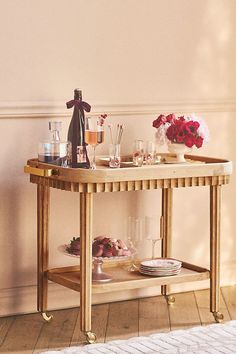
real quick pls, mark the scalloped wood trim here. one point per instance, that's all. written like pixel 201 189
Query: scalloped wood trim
pixel 126 186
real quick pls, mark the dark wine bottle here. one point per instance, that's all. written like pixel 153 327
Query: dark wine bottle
pixel 76 132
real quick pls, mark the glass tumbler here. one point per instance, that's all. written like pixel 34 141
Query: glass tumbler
pixel 114 155
pixel 150 153
pixel 138 153
pixel 134 238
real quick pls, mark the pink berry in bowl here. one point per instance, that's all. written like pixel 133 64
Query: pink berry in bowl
pixel 98 250
pixel 107 252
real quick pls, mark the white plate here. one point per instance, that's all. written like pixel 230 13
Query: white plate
pixel 161 263
pixel 63 249
pixel 159 270
pixel 157 274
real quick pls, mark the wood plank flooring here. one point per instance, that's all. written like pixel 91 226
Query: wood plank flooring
pixel 30 334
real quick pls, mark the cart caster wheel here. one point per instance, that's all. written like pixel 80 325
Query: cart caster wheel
pixel 170 299
pixel 91 337
pixel 218 316
pixel 46 317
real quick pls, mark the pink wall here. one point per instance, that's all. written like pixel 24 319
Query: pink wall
pixel 134 59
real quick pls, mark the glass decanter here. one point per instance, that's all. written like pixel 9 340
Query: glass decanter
pixel 54 151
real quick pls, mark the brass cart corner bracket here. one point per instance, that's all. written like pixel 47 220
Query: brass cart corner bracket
pixel 42 172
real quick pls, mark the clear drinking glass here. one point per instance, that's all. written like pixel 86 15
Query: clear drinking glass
pixel 114 155
pixel 150 153
pixel 157 157
pixel 152 231
pixel 134 237
pixel 138 153
pixel 94 135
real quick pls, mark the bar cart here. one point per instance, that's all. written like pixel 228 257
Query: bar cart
pixel 198 171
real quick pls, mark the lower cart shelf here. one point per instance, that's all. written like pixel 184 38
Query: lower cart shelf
pixel 124 280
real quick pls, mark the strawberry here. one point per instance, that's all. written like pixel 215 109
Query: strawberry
pixel 114 251
pixel 98 250
pixel 74 247
pixel 107 252
pixel 106 240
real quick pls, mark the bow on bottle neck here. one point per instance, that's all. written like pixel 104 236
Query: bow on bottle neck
pixel 80 104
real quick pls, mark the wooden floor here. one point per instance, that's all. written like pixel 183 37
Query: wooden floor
pixel 30 334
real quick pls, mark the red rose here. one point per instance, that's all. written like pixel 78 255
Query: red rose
pixel 189 141
pixel 159 121
pixel 180 137
pixel 171 132
pixel 170 118
pixel 196 125
pixel 199 142
pixel 191 127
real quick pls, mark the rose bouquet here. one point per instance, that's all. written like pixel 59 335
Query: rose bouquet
pixel 188 130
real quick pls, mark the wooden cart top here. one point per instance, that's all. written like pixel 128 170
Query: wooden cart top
pixel 197 171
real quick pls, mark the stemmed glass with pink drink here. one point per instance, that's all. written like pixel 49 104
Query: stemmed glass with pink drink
pixel 94 135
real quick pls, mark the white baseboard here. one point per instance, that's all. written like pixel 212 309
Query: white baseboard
pixel 23 299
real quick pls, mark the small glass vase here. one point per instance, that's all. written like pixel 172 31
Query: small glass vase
pixel 179 150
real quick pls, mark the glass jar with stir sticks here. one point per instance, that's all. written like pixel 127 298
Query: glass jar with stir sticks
pixel 114 148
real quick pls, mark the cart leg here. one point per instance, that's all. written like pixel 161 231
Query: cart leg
pixel 43 194
pixel 166 228
pixel 86 218
pixel 215 201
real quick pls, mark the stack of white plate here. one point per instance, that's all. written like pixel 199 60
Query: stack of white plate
pixel 160 267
